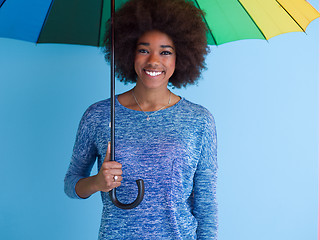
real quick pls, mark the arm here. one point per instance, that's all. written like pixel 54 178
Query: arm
pixel 83 156
pixel 205 204
pixel 78 182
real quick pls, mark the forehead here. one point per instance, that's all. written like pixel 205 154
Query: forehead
pixel 155 38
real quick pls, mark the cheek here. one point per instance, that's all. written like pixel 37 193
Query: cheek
pixel 173 65
pixel 136 65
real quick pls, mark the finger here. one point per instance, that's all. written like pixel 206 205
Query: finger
pixel 113 172
pixel 111 165
pixel 111 183
pixel 115 185
pixel 117 178
pixel 108 154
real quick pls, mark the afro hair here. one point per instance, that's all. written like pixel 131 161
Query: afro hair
pixel 181 20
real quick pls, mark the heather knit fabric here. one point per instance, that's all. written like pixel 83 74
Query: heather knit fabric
pixel 174 153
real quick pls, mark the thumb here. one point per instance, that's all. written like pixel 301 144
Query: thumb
pixel 108 154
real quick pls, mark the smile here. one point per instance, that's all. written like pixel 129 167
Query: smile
pixel 152 73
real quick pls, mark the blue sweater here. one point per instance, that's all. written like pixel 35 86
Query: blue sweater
pixel 174 153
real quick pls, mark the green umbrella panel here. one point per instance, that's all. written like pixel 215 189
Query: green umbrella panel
pixel 77 22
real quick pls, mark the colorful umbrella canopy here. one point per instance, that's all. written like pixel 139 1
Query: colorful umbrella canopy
pixel 77 22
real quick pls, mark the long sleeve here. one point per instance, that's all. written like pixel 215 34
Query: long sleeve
pixel 204 202
pixel 84 154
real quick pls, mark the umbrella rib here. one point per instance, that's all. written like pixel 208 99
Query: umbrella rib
pixel 101 13
pixel 45 20
pixel 204 19
pixel 1 3
pixel 291 16
pixel 252 20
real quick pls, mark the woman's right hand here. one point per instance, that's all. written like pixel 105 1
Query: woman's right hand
pixel 105 179
pixel 109 175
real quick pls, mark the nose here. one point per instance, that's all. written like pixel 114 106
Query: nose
pixel 153 60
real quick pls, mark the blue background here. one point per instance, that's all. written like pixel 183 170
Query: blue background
pixel 264 96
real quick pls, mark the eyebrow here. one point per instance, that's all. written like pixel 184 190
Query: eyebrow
pixel 148 44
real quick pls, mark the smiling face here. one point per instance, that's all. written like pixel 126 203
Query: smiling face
pixel 155 59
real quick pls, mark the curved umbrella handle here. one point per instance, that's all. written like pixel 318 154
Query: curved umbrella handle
pixel 134 204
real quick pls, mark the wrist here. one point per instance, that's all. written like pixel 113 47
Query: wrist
pixel 94 183
pixel 85 187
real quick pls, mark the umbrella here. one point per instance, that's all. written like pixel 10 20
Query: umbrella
pixel 77 22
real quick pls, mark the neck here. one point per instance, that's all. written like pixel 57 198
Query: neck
pixel 151 99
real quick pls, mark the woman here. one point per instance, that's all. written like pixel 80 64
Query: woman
pixel 161 138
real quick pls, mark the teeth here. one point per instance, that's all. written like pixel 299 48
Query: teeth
pixel 153 74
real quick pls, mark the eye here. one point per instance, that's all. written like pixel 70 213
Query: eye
pixel 166 53
pixel 142 50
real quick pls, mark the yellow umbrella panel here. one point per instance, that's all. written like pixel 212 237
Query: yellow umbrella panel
pixel 231 20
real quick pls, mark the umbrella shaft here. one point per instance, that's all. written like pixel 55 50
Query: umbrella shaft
pixel 112 81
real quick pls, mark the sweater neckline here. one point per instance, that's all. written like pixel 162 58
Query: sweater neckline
pixel 117 103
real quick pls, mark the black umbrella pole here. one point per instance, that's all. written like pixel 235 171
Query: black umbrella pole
pixel 112 81
pixel 139 182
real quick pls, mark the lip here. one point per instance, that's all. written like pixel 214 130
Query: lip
pixel 152 73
